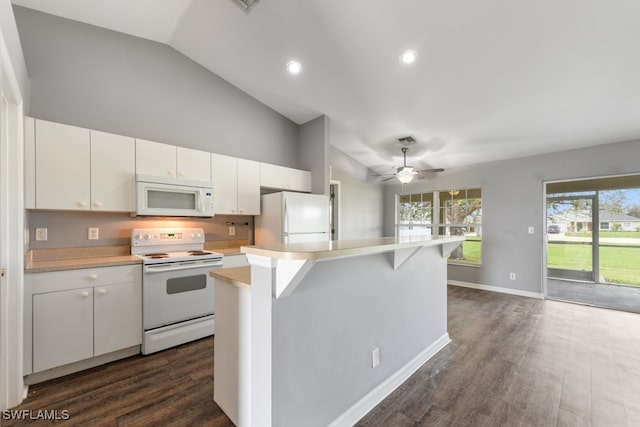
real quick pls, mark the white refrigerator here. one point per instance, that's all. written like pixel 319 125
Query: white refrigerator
pixel 292 218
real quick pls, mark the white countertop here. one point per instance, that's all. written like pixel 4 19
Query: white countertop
pixel 344 248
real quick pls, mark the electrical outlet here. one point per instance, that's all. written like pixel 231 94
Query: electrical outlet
pixel 375 357
pixel 41 234
pixel 512 276
pixel 232 231
pixel 93 233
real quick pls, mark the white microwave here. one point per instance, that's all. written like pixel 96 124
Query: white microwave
pixel 167 196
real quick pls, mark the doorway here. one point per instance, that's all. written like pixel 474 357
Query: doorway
pixel 593 242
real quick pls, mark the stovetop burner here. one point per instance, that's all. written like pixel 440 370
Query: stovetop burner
pixel 198 253
pixel 157 255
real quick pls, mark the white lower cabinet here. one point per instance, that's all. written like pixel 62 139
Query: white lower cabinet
pixel 117 317
pixel 62 328
pixel 80 314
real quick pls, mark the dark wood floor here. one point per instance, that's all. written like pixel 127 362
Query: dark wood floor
pixel 513 361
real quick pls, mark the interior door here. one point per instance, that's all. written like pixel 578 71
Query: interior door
pixel 571 253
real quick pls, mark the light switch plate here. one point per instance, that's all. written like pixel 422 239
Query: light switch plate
pixel 531 229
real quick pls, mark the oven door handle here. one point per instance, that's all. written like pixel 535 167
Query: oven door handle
pixel 164 268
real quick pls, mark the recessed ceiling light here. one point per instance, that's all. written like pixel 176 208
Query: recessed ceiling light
pixel 294 67
pixel 408 56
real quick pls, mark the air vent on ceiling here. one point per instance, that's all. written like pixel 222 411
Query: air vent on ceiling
pixel 246 5
pixel 407 140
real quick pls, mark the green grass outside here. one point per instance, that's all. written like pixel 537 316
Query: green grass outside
pixel 609 234
pixel 472 251
pixel 617 265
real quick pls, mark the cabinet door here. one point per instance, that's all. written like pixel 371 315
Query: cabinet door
pixel 117 317
pixel 62 166
pixel 225 184
pixel 273 176
pixel 62 328
pixel 194 164
pixel 298 180
pixel 155 158
pixel 248 187
pixel 112 172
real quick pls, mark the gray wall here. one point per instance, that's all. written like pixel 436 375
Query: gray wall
pixel 361 201
pixel 99 79
pixel 325 331
pixel 512 200
pixel 314 153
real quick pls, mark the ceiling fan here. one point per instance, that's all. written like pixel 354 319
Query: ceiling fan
pixel 405 174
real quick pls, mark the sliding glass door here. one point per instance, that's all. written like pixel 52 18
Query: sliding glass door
pixel 571 252
pixel 593 242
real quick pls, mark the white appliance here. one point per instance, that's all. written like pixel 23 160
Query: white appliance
pixel 292 218
pixel 167 196
pixel 177 291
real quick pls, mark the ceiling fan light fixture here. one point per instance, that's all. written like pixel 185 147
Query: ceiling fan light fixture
pixel 405 174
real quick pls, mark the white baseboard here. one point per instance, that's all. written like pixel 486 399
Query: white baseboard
pixel 378 394
pixel 496 289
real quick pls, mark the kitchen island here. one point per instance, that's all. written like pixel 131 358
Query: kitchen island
pixel 325 330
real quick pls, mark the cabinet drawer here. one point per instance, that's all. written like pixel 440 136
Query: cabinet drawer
pixel 86 277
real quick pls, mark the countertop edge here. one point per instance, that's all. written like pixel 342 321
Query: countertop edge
pixel 80 263
pixel 351 248
pixel 237 276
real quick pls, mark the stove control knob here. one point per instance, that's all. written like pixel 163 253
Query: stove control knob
pixel 198 235
pixel 147 236
pixel 137 237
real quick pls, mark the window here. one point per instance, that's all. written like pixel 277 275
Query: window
pixel 445 213
pixel 415 214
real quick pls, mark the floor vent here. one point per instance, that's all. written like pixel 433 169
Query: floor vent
pixel 246 5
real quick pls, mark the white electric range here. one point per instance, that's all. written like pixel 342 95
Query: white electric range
pixel 177 291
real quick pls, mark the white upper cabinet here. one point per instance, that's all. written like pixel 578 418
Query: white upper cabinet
pixel 62 161
pixel 236 185
pixel 158 159
pixel 193 164
pixel 225 184
pixel 155 158
pixel 248 187
pixel 280 177
pixel 112 172
pixel 73 168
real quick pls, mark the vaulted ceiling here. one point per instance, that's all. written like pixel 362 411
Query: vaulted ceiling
pixel 494 79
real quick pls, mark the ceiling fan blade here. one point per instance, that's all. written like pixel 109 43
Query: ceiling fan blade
pixel 385 180
pixel 431 170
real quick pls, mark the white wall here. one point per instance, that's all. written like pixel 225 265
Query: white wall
pixel 14 87
pixel 512 200
pixel 361 201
